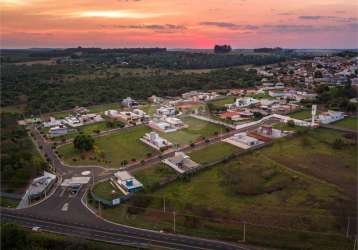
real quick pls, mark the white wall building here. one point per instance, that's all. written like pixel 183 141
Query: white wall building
pixel 330 116
pixel 57 131
pixel 154 140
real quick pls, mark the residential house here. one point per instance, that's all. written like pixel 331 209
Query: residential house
pixel 166 110
pixel 242 140
pixel 129 102
pixel 58 131
pixel 127 182
pixel 330 116
pixel 181 163
pixel 52 122
pixel 155 141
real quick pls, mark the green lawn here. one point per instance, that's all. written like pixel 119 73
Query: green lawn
pixel 124 145
pixel 301 114
pixel 349 122
pixel 148 108
pixel 197 129
pixel 213 152
pixel 263 96
pixel 104 190
pixel 8 202
pixel 86 129
pixel 153 175
pixel 279 186
pixel 103 107
pixel 222 102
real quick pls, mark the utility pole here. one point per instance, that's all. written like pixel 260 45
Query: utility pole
pixel 348 225
pixel 164 204
pixel 355 243
pixel 244 232
pixel 174 221
pixel 99 208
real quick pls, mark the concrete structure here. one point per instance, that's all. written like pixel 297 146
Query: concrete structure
pixel 52 122
pixel 166 110
pixel 181 163
pixel 330 116
pixel 268 131
pixel 127 182
pixel 129 102
pixel 41 185
pixel 242 102
pixel 58 131
pixel 242 140
pixel 155 141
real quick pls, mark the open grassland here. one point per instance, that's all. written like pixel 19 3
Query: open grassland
pixel 104 190
pixel 110 150
pixel 213 152
pixel 276 190
pixel 223 101
pixel 8 202
pixel 86 129
pixel 152 176
pixel 197 130
pixel 301 114
pixel 103 107
pixel 349 122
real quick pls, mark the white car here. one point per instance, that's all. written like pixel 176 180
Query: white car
pixel 36 229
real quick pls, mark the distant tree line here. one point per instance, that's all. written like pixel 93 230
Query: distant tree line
pixel 222 48
pixel 268 50
pixel 45 88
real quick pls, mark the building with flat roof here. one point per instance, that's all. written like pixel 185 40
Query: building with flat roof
pixel 155 141
pixel 58 131
pixel 181 163
pixel 242 140
pixel 127 182
pixel 41 185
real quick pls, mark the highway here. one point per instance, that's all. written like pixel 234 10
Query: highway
pixel 105 231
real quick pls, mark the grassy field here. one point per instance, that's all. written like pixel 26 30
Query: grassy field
pixel 213 152
pixel 276 186
pixel 263 96
pixel 152 176
pixel 222 102
pixel 8 202
pixel 104 107
pixel 116 148
pixel 197 129
pixel 301 114
pixel 104 191
pixel 148 108
pixel 349 122
pixel 18 109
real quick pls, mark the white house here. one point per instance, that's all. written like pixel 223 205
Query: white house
pixel 154 140
pixel 127 182
pixel 181 162
pixel 242 102
pixel 129 102
pixel 52 122
pixel 161 126
pixel 242 140
pixel 57 131
pixel 330 116
pixel 73 121
pixel 166 110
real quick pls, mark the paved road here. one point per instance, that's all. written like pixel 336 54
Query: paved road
pixel 63 213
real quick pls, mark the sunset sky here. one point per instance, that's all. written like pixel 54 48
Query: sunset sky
pixel 179 23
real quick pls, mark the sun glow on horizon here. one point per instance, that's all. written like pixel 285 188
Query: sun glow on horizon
pixel 116 14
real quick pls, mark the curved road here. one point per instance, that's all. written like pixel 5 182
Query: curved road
pixel 66 214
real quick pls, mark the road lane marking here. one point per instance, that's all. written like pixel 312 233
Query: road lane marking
pixel 65 207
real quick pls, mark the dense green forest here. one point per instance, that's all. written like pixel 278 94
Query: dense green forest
pixel 88 76
pixel 44 88
pixel 19 159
